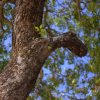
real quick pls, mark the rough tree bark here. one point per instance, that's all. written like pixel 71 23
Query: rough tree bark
pixel 30 50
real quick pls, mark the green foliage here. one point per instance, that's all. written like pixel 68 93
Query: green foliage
pixel 41 31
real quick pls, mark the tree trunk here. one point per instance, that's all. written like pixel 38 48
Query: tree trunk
pixel 20 75
pixel 30 50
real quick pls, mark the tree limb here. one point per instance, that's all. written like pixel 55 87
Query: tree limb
pixel 69 40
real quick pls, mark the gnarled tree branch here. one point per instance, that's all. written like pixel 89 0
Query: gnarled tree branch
pixel 69 40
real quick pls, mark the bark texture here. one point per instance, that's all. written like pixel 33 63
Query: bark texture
pixel 30 50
